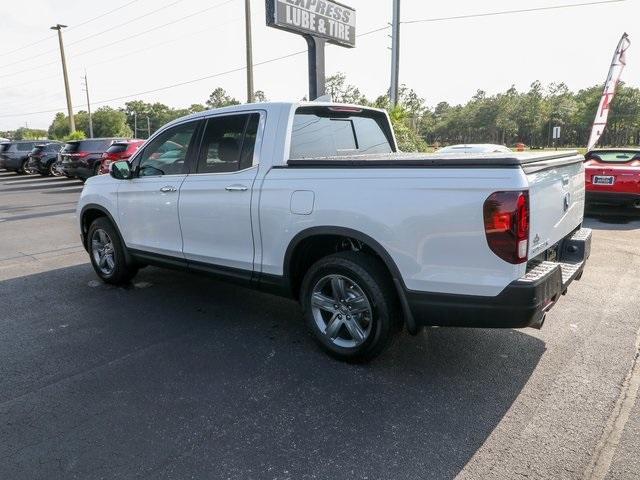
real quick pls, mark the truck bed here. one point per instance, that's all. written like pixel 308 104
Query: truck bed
pixel 529 161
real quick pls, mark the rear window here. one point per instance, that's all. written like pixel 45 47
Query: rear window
pixel 4 147
pixel 320 132
pixel 117 148
pixel 87 146
pixel 614 156
pixel 25 147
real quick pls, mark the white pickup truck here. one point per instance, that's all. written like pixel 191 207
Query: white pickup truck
pixel 312 201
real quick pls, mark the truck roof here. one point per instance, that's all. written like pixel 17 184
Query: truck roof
pixel 269 106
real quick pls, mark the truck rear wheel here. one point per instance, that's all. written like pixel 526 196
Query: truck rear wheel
pixel 350 306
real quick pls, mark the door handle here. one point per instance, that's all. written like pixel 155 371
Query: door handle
pixel 565 181
pixel 168 189
pixel 237 188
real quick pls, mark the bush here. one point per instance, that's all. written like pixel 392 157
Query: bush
pixel 77 135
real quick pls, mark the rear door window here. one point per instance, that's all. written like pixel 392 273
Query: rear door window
pixel 228 143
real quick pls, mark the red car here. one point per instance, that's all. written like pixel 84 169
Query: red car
pixel 119 151
pixel 612 176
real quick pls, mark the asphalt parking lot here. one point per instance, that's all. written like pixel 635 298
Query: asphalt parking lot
pixel 179 376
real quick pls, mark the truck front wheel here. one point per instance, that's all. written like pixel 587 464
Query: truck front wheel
pixel 350 305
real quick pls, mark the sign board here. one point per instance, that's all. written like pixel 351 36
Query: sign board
pixel 319 18
pixel 556 133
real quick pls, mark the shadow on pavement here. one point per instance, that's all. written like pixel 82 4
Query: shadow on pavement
pixel 601 217
pixel 180 376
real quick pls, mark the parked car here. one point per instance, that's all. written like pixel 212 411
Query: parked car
pixel 14 155
pixel 612 176
pixel 310 200
pixel 81 158
pixel 474 148
pixel 118 151
pixel 42 158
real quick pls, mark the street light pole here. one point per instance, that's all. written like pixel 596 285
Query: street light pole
pixel 247 20
pixel 72 123
pixel 395 53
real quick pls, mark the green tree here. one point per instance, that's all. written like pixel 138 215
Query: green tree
pixel 219 98
pixel 109 122
pixel 343 92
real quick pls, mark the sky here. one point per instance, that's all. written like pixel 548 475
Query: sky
pixel 150 44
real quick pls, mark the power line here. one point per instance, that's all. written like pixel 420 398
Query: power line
pixel 155 28
pixel 74 55
pixel 508 12
pixel 103 15
pixel 187 82
pixel 109 30
pixel 51 36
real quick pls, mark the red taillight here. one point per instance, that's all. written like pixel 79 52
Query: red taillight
pixel 506 225
pixel 346 109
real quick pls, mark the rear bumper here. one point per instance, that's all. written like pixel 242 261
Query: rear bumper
pixel 14 164
pixel 612 198
pixel 77 170
pixel 523 303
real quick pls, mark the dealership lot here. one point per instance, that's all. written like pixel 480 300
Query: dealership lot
pixel 179 376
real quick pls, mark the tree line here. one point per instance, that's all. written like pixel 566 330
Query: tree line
pixel 505 118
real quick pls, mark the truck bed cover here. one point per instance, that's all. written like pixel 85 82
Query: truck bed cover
pixel 530 161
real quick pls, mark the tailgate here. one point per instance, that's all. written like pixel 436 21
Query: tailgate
pixel 556 192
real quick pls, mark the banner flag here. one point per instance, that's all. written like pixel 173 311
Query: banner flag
pixel 617 65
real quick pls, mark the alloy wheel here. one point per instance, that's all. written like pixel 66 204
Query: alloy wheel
pixel 342 311
pixel 103 252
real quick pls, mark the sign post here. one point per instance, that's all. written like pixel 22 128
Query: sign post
pixel 556 135
pixel 319 22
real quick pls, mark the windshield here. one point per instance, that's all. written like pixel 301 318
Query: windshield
pixel 614 156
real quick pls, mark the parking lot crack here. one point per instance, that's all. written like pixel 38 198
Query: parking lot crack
pixel 602 458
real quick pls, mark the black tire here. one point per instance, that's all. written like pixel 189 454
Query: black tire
pixel 368 275
pixel 121 273
pixel 24 169
pixel 50 172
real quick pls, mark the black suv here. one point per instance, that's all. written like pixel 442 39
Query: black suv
pixel 15 155
pixel 43 158
pixel 81 158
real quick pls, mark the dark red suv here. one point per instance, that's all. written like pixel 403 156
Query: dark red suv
pixel 118 151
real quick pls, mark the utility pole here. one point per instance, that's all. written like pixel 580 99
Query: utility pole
pixel 135 125
pixel 247 20
pixel 86 89
pixel 395 53
pixel 148 127
pixel 72 123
